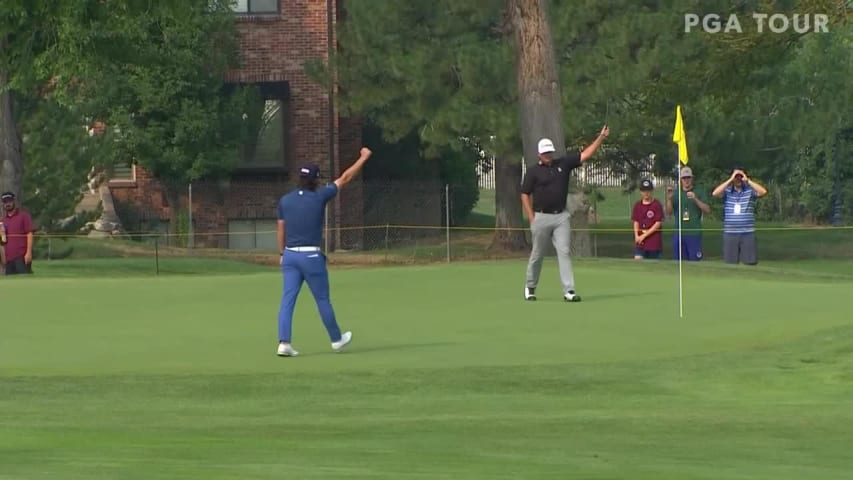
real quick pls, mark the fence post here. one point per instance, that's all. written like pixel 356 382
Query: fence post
pixel 447 217
pixel 190 240
pixel 387 233
pixel 49 248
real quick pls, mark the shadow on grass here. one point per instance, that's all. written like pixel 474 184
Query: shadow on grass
pixel 598 297
pixel 400 346
pixel 355 349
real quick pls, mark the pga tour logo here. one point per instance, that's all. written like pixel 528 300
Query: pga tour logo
pixel 776 23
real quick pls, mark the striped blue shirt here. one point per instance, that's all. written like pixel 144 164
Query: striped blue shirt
pixel 739 210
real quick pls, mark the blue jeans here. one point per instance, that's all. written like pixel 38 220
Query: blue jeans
pixel 691 248
pixel 310 267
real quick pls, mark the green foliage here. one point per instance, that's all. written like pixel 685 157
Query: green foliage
pixel 154 74
pixel 799 124
pixel 442 69
pixel 26 28
pixel 401 158
pixel 458 172
pixel 774 103
pixel 59 155
pixel 406 159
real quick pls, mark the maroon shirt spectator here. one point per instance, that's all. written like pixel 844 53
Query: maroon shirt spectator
pixel 647 217
pixel 18 226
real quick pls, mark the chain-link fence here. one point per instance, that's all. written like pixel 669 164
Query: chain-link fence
pixel 395 222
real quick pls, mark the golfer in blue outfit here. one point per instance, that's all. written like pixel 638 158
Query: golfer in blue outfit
pixel 300 231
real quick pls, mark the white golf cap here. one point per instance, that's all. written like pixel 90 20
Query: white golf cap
pixel 686 172
pixel 546 146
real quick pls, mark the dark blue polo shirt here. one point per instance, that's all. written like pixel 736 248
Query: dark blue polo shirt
pixel 303 212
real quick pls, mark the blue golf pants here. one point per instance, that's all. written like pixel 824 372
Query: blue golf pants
pixel 310 267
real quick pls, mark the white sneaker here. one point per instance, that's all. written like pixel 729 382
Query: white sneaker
pixel 529 293
pixel 285 350
pixel 571 296
pixel 343 342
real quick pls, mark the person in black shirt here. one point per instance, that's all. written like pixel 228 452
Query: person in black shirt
pixel 548 184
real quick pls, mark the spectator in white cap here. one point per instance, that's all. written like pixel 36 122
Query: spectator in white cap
pixel 543 198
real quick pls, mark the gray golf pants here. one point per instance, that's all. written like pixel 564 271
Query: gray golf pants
pixel 550 228
pixel 740 247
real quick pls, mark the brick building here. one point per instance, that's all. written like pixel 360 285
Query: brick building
pixel 300 125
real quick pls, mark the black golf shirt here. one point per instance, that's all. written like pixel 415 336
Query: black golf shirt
pixel 549 184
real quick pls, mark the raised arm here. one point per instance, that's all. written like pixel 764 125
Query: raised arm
pixel 718 192
pixel 353 170
pixel 588 151
pixel 669 194
pixel 699 203
pixel 760 191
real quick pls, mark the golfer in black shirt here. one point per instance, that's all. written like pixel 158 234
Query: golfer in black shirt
pixel 548 184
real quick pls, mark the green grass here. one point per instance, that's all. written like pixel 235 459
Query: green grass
pixel 450 374
pixel 483 214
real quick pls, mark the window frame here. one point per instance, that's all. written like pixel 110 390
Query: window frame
pixel 254 234
pixel 124 181
pixel 250 12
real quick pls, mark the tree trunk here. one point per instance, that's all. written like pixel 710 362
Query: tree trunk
pixel 510 233
pixel 539 96
pixel 11 159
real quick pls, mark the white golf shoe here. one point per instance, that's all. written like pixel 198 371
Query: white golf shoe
pixel 571 296
pixel 343 342
pixel 285 350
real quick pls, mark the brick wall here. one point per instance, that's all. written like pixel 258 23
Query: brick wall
pixel 273 48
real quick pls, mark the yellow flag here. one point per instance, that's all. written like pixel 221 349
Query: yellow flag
pixel 679 137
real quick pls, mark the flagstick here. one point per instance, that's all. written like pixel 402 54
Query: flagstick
pixel 680 240
pixel 680 139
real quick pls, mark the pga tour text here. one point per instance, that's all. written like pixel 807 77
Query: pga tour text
pixel 764 22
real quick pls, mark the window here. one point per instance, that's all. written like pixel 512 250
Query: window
pixel 125 172
pixel 255 234
pixel 264 126
pixel 255 6
pixel 267 132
